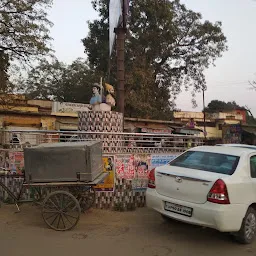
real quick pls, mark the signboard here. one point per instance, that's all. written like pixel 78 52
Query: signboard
pixel 69 107
pixel 157 131
pixel 159 160
pixel 109 183
pixel 124 166
pixel 189 132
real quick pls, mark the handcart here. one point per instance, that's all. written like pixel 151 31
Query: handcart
pixel 61 202
pixel 51 170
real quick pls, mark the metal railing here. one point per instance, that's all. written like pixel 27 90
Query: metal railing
pixel 112 142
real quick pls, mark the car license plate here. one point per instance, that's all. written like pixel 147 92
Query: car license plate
pixel 183 210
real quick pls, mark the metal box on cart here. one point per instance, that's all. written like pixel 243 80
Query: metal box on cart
pixel 61 162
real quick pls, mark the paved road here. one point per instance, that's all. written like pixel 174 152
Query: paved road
pixel 142 232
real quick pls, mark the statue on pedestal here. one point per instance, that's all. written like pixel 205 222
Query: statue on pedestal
pixel 99 102
pixel 109 98
pixel 97 99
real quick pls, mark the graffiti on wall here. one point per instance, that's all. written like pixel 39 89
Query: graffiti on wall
pixel 137 167
pixel 125 168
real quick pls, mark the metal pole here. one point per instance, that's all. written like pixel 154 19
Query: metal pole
pixel 120 38
pixel 204 116
pixel 120 48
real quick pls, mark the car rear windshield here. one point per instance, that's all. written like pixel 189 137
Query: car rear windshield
pixel 207 161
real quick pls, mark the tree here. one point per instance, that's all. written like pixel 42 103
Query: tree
pixel 4 76
pixel 167 46
pixel 216 106
pixel 96 44
pixel 6 86
pixel 24 37
pixel 221 106
pixel 24 29
pixel 58 81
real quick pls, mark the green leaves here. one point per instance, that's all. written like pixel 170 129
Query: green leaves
pixel 58 81
pixel 24 29
pixel 168 43
pixel 216 106
pixel 24 37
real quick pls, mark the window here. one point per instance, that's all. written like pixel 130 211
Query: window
pixel 207 161
pixel 220 127
pixel 253 166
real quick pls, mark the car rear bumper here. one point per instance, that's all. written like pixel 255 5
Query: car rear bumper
pixel 225 218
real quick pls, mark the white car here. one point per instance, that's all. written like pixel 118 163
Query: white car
pixel 238 145
pixel 208 186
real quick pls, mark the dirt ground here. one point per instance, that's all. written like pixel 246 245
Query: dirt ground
pixel 99 232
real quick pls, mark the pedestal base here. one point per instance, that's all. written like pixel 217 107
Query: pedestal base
pixel 100 121
pixel 101 107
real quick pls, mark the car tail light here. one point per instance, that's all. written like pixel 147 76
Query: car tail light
pixel 152 179
pixel 218 193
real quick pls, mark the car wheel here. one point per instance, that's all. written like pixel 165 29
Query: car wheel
pixel 246 234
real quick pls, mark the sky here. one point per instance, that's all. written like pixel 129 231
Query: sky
pixel 227 81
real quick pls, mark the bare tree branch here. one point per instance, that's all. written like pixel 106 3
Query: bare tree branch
pixel 253 85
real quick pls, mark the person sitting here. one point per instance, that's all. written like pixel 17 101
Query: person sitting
pixel 191 124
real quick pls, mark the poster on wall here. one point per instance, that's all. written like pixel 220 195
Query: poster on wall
pixel 142 165
pixel 12 161
pixel 109 183
pixel 139 184
pixel 16 162
pixel 159 160
pixel 124 166
pixel 4 160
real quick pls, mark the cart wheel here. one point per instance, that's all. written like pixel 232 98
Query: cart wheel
pixel 61 211
pixel 39 195
pixel 86 197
